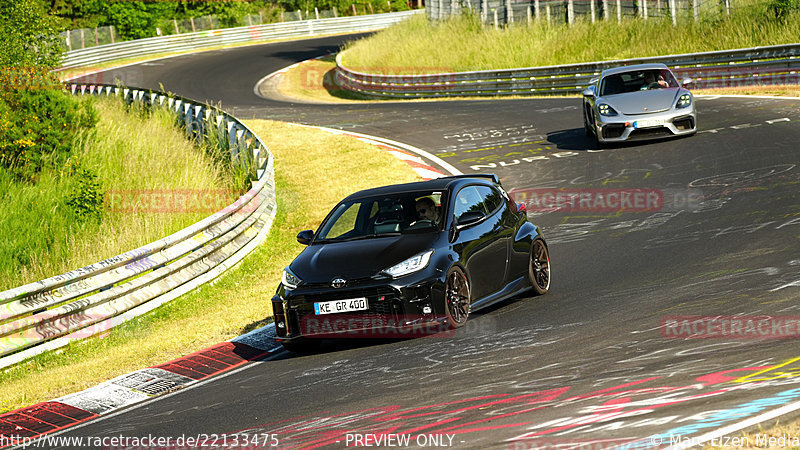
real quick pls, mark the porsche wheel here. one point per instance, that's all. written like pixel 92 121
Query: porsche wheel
pixel 539 267
pixel 587 127
pixel 457 297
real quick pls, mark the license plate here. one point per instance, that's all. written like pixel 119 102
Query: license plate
pixel 340 306
pixel 648 123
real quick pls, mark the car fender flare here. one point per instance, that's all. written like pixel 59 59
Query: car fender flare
pixel 527 233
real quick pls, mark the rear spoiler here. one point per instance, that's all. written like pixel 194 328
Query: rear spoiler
pixel 489 176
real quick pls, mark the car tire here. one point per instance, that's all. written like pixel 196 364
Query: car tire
pixel 586 127
pixel 302 346
pixel 539 267
pixel 456 298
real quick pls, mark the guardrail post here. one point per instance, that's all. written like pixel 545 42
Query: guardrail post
pixel 696 10
pixel 509 12
pixel 570 11
pixel 674 12
pixel 605 9
pixel 619 11
pixel 592 9
pixel 644 9
pixel 536 9
pixel 485 11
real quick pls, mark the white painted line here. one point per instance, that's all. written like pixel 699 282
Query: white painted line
pixel 747 423
pixel 714 97
pixel 427 173
pixel 406 157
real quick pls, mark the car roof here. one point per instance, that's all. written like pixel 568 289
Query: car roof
pixel 436 184
pixel 623 69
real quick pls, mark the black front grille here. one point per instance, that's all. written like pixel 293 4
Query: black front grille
pixel 613 130
pixel 383 302
pixel 650 132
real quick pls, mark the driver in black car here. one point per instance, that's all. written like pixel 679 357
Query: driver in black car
pixel 426 210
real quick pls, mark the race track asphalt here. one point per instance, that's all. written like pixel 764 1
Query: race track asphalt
pixel 590 362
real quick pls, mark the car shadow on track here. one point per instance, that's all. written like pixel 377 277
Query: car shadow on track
pixel 486 322
pixel 575 139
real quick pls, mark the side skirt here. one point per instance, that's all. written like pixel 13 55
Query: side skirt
pixel 513 288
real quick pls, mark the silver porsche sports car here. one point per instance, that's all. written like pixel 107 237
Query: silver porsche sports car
pixel 643 101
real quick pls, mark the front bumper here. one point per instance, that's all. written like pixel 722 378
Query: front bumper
pixel 621 128
pixel 394 307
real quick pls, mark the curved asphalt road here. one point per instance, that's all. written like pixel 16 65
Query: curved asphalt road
pixel 586 363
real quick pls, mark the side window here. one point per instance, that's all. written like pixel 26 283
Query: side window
pixel 491 198
pixel 468 199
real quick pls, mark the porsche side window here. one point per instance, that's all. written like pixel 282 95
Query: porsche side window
pixel 468 199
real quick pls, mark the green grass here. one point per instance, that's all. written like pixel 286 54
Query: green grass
pixel 130 152
pixel 314 170
pixel 462 44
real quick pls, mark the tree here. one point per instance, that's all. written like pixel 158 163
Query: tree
pixel 28 36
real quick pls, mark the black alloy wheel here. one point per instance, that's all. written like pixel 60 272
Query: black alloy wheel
pixel 539 267
pixel 457 298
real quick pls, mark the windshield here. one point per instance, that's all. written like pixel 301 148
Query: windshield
pixel 637 80
pixel 392 214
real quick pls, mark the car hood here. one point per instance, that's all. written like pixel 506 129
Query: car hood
pixel 644 102
pixel 321 263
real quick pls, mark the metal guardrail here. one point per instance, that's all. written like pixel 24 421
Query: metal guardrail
pixel 777 64
pixel 50 313
pixel 214 38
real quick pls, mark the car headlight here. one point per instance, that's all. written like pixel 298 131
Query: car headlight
pixel 684 101
pixel 606 110
pixel 411 265
pixel 289 279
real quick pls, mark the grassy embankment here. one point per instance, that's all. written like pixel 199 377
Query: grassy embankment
pixel 41 239
pixel 238 301
pixel 461 44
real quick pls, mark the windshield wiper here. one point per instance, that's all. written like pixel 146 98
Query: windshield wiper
pixel 366 236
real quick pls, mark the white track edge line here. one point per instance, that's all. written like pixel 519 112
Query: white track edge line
pixel 752 421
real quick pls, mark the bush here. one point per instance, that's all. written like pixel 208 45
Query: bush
pixel 86 197
pixel 782 8
pixel 38 126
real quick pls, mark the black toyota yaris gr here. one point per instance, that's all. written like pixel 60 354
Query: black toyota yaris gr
pixel 415 256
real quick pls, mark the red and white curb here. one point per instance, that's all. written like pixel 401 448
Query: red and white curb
pixel 23 426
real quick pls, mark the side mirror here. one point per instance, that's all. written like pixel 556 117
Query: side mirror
pixel 588 92
pixel 686 81
pixel 469 218
pixel 304 237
